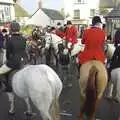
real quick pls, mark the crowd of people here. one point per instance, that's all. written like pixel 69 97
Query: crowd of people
pixel 94 38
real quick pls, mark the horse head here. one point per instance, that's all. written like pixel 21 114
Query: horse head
pixel 110 48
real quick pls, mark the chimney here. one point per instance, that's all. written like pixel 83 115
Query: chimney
pixel 40 4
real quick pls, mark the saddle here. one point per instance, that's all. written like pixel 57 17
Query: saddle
pixel 7 81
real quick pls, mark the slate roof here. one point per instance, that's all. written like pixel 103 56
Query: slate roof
pixel 53 14
pixel 108 3
pixel 115 13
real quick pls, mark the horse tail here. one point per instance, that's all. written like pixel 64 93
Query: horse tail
pixel 55 103
pixel 91 92
pixel 55 109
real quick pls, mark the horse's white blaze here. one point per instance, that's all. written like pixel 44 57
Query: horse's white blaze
pixel 39 83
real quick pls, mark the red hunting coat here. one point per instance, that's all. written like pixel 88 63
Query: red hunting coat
pixel 94 39
pixel 71 34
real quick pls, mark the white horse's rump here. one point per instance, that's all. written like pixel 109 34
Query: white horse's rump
pixel 41 84
pixel 115 78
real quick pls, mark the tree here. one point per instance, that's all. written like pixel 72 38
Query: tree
pixel 14 1
pixel 104 11
pixel 116 3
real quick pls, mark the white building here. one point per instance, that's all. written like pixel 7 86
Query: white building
pixel 81 11
pixel 43 17
pixel 7 12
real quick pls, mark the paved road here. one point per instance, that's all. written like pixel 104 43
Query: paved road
pixel 69 102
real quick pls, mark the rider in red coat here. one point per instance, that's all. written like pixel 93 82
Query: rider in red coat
pixel 94 39
pixel 60 30
pixel 71 33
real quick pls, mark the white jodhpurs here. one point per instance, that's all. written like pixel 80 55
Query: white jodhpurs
pixel 4 69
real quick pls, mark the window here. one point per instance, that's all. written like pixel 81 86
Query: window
pixel 76 14
pixel 80 1
pixel 92 12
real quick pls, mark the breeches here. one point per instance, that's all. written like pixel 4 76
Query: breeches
pixel 4 69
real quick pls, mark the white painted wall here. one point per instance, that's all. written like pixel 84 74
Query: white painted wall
pixel 7 1
pixel 12 12
pixel 7 4
pixel 69 8
pixel 39 18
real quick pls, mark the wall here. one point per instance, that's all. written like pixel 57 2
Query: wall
pixel 6 1
pixel 39 18
pixel 70 6
pixel 7 12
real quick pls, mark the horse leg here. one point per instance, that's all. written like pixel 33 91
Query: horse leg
pixel 110 89
pixel 48 60
pixel 57 63
pixel 11 98
pixel 81 116
pixel 29 109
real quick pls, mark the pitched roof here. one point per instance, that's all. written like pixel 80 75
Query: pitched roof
pixel 53 14
pixel 20 11
pixel 108 3
pixel 115 13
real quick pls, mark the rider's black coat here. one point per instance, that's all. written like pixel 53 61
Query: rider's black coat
pixel 15 50
pixel 115 61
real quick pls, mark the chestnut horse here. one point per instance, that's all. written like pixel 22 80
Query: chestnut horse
pixel 93 81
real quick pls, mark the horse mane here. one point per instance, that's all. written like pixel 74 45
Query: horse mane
pixel 91 92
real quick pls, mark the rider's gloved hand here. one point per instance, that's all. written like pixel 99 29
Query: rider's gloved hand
pixel 69 45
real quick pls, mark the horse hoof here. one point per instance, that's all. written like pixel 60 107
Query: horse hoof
pixel 30 114
pixel 11 113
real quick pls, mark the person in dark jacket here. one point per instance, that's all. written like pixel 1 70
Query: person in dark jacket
pixel 15 49
pixel 115 61
pixel 116 38
pixel 1 48
pixel 114 79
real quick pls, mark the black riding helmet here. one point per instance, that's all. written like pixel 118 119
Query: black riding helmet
pixel 52 28
pixel 95 20
pixel 15 27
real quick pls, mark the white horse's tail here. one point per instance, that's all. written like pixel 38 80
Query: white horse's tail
pixel 55 109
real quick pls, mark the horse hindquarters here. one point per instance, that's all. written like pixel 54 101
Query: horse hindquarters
pixel 42 99
pixel 93 82
pixel 115 77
